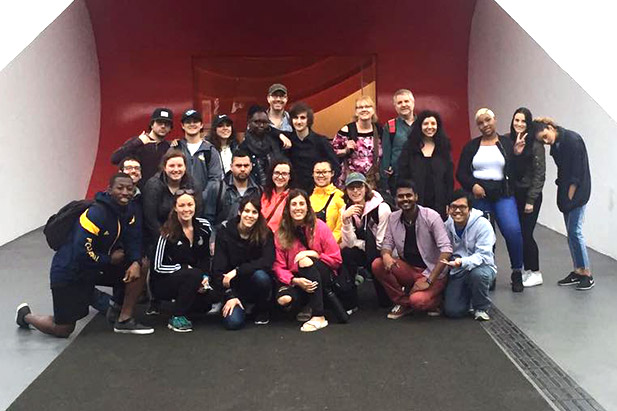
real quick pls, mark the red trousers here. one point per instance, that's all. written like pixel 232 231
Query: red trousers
pixel 406 275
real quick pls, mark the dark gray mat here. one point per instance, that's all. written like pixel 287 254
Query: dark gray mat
pixel 415 363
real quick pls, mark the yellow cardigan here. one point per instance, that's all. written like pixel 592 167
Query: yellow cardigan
pixel 334 217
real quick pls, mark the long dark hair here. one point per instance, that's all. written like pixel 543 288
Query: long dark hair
pixel 530 132
pixel 269 186
pixel 258 234
pixel 287 234
pixel 217 141
pixel 442 142
pixel 172 229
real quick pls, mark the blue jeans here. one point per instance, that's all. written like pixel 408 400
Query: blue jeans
pixel 505 213
pixel 256 289
pixel 468 287
pixel 576 242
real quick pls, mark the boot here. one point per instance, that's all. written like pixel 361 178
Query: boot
pixel 335 304
pixel 517 281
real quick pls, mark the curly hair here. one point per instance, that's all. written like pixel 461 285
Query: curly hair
pixel 442 142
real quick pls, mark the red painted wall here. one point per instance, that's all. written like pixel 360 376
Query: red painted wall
pixel 145 50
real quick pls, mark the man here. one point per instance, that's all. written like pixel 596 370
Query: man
pixel 327 200
pixel 204 162
pixel 419 237
pixel 277 99
pixel 472 268
pixel 89 258
pixel 148 147
pixel 395 134
pixel 307 147
pixel 222 198
pixel 261 143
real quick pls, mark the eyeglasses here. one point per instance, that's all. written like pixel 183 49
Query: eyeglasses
pixel 363 107
pixel 183 191
pixel 458 207
pixel 322 172
pixel 132 168
pixel 261 122
pixel 280 174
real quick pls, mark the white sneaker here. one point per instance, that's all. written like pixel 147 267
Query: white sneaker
pixel 526 274
pixel 534 278
pixel 481 315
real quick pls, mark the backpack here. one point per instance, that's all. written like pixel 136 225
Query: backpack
pixel 59 226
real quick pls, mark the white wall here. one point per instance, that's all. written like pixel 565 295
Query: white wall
pixel 50 120
pixel 508 69
pixel 23 21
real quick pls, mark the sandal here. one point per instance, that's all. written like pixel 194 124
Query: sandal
pixel 305 314
pixel 311 326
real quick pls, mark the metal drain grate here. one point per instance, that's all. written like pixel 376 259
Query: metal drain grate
pixel 549 378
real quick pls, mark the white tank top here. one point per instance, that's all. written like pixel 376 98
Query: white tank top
pixel 488 163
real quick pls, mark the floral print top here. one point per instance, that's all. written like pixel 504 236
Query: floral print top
pixel 361 159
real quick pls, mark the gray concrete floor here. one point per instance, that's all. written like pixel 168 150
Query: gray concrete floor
pixel 576 329
pixel 24 277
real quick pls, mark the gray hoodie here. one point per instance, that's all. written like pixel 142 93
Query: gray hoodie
pixel 475 247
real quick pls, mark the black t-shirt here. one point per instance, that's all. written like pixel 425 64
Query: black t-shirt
pixel 411 253
pixel 429 184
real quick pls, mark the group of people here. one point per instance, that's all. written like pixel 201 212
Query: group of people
pixel 285 218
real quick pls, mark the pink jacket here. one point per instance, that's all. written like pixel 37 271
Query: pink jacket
pixel 323 242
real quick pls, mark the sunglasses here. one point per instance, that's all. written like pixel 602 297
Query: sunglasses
pixel 184 191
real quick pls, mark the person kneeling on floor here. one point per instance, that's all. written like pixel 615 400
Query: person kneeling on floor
pixel 472 268
pixel 181 263
pixel 419 237
pixel 307 256
pixel 243 260
pixel 89 258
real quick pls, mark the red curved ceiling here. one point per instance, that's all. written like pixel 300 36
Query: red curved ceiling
pixel 146 50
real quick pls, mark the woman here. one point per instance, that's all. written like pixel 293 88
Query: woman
pixel 357 144
pixel 486 170
pixel 306 258
pixel 529 175
pixel 326 199
pixel 307 147
pixel 365 219
pixel 275 192
pixel 573 192
pixel 243 259
pixel 427 160
pixel 158 196
pixel 223 138
pixel 182 262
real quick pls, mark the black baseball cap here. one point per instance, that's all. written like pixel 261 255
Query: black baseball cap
pixel 191 113
pixel 221 118
pixel 162 114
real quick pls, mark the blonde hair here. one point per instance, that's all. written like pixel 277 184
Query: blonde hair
pixel 484 111
pixel 369 100
pixel 546 120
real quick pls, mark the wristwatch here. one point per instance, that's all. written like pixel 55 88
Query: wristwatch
pixel 428 280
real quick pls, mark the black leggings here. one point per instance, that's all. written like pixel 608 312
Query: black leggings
pixel 317 272
pixel 531 257
pixel 182 286
pixel 353 258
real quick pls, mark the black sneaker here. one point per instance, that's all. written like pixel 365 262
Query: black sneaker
pixel 20 315
pixel 586 283
pixel 572 279
pixel 154 308
pixel 262 319
pixel 517 281
pixel 131 326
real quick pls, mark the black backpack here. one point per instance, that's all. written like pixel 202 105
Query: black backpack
pixel 58 227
